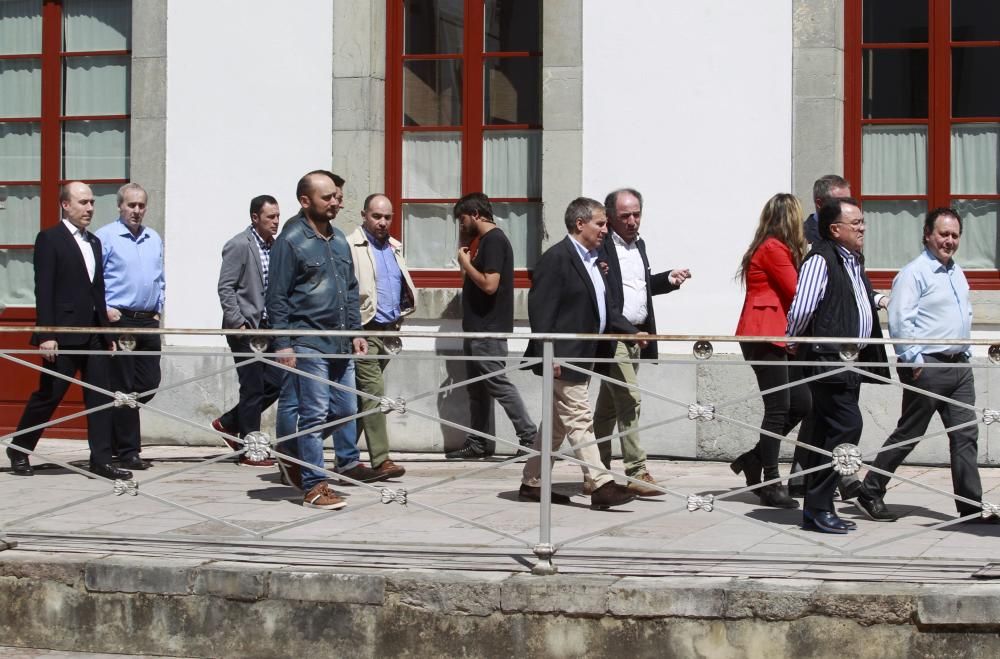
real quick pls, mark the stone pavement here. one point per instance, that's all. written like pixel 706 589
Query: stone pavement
pixel 466 516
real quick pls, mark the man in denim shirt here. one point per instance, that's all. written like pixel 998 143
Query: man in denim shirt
pixel 312 287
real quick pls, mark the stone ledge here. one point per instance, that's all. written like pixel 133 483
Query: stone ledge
pixel 961 607
pixel 326 586
pixel 477 594
pixel 140 575
pixel 532 594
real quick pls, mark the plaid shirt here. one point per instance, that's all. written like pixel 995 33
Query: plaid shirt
pixel 265 257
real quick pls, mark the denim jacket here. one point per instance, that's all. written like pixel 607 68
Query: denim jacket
pixel 312 286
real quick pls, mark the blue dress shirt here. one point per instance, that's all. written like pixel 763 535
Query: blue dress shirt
pixel 930 300
pixel 388 280
pixel 133 268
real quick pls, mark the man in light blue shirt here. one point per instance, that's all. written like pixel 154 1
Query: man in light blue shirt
pixel 930 300
pixel 132 259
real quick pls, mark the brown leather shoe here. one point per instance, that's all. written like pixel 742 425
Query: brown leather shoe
pixel 362 473
pixel 641 490
pixel 610 494
pixel 321 496
pixel 247 462
pixel 530 493
pixel 389 469
pixel 218 427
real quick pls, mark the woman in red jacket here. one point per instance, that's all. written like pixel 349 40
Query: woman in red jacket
pixel 769 271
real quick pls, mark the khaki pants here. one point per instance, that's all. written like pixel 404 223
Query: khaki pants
pixel 572 419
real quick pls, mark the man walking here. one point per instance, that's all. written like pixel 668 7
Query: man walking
pixel 312 287
pixel 930 300
pixel 487 306
pixel 134 285
pixel 243 280
pixel 386 294
pixel 69 292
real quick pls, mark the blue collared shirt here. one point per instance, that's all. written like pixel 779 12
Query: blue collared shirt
pixel 589 259
pixel 388 280
pixel 812 287
pixel 133 267
pixel 930 300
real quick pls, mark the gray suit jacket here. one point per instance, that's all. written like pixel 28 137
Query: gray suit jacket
pixel 241 282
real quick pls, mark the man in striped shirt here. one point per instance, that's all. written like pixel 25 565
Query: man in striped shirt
pixel 835 299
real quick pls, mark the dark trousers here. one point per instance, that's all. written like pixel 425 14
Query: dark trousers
pixel 917 410
pixel 837 420
pixel 492 353
pixel 260 384
pixel 783 409
pixel 133 374
pixel 43 402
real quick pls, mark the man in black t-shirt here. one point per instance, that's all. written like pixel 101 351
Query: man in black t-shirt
pixel 487 306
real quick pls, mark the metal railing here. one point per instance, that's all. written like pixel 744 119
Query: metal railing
pixel 543 541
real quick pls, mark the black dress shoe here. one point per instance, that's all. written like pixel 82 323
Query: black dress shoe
pixel 874 508
pixel 110 472
pixel 530 493
pixel 19 464
pixel 136 463
pixel 610 494
pixel 749 465
pixel 823 521
pixel 776 496
pixel 851 489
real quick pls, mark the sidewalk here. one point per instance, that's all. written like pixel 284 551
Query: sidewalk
pixel 448 526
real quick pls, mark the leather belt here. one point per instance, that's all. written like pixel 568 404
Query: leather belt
pixel 383 327
pixel 137 315
pixel 952 357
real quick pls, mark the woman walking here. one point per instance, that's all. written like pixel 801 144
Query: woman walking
pixel 769 272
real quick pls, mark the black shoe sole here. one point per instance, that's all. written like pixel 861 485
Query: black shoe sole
pixel 857 504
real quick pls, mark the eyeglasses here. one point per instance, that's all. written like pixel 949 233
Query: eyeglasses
pixel 858 224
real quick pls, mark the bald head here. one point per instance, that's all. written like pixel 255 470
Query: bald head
pixel 77 201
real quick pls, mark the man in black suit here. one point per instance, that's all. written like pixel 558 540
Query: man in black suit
pixel 569 295
pixel 631 288
pixel 69 292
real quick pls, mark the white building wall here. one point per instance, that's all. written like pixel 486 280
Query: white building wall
pixel 248 112
pixel 691 104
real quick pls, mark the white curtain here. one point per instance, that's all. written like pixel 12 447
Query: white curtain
pixel 17 278
pixel 975 151
pixel 96 25
pixel 512 163
pixel 20 152
pixel 978 248
pixel 96 85
pixel 432 165
pixel 522 222
pixel 105 204
pixel 95 149
pixel 20 27
pixel 894 160
pixel 893 232
pixel 20 220
pixel 20 88
pixel 430 236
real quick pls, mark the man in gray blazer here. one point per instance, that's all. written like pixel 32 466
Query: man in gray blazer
pixel 242 285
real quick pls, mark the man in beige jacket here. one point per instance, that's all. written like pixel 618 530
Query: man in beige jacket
pixel 386 294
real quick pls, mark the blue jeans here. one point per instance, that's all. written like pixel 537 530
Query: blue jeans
pixel 287 421
pixel 319 403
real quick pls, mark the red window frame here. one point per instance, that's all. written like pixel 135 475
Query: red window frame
pixel 939 119
pixel 473 57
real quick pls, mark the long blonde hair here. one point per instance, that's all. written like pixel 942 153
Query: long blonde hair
pixel 781 218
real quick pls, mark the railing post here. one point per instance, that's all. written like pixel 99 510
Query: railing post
pixel 544 549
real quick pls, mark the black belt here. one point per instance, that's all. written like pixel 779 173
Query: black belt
pixel 138 315
pixel 952 357
pixel 383 327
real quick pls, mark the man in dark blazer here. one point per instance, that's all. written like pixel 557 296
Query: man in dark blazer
pixel 569 294
pixel 631 288
pixel 242 286
pixel 69 292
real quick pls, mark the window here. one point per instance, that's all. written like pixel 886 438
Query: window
pixel 64 115
pixel 463 114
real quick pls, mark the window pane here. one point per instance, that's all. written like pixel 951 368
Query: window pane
pixel 20 27
pixel 522 222
pixel 20 88
pixel 975 150
pixel 433 26
pixel 975 20
pixel 512 90
pixel 17 278
pixel 95 149
pixel 513 25
pixel 894 160
pixel 432 93
pixel 20 152
pixel 512 163
pixel 893 232
pixel 105 204
pixel 895 21
pixel 432 165
pixel 895 84
pixel 974 89
pixel 978 247
pixel 431 236
pixel 96 25
pixel 19 222
pixel 96 85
